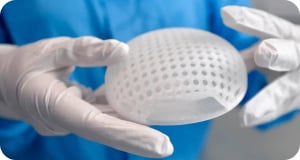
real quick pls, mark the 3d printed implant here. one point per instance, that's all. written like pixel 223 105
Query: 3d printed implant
pixel 176 76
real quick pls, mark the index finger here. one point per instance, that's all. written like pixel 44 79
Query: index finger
pixel 259 23
pixel 84 51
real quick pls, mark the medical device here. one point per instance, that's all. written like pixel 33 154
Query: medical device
pixel 176 76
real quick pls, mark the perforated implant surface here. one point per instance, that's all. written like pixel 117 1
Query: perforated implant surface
pixel 176 65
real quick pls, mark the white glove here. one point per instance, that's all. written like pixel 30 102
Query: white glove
pixel 34 88
pixel 279 51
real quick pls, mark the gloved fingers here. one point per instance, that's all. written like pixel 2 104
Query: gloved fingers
pixel 259 23
pixel 278 98
pixel 248 57
pixel 100 95
pixel 45 127
pixel 84 119
pixel 102 104
pixel 34 94
pixel 60 73
pixel 83 92
pixel 108 110
pixel 96 98
pixel 88 51
pixel 6 48
pixel 278 54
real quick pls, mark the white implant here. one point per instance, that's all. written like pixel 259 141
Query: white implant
pixel 176 76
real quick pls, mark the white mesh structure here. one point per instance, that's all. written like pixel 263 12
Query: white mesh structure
pixel 176 76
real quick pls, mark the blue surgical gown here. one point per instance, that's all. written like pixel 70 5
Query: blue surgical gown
pixel 23 21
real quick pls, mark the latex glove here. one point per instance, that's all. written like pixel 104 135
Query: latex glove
pixel 279 51
pixel 34 88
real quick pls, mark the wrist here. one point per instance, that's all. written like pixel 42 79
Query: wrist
pixel 5 56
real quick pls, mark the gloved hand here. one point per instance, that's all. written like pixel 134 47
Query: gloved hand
pixel 279 51
pixel 34 88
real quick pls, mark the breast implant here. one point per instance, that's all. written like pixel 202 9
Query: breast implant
pixel 176 76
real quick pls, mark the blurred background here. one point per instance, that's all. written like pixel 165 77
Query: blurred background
pixel 229 141
pixel 282 8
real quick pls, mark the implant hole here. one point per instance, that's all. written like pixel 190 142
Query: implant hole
pixel 155 79
pixel 167 86
pixel 137 88
pixel 186 82
pixel 228 88
pixel 173 66
pixel 237 92
pixel 153 71
pixel 184 73
pixel 149 93
pixel 162 62
pixel 163 69
pixel 141 97
pixel 165 76
pixel 214 83
pixel 222 76
pixel 222 86
pixel 175 74
pixel 158 89
pixel 213 74
pixel 194 72
pixel 144 75
pixel 196 82
pixel 205 82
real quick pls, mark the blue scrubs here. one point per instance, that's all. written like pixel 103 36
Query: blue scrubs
pixel 22 22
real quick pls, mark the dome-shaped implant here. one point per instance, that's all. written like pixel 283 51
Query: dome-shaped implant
pixel 176 76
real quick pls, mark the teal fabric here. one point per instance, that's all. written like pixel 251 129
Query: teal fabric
pixel 22 22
